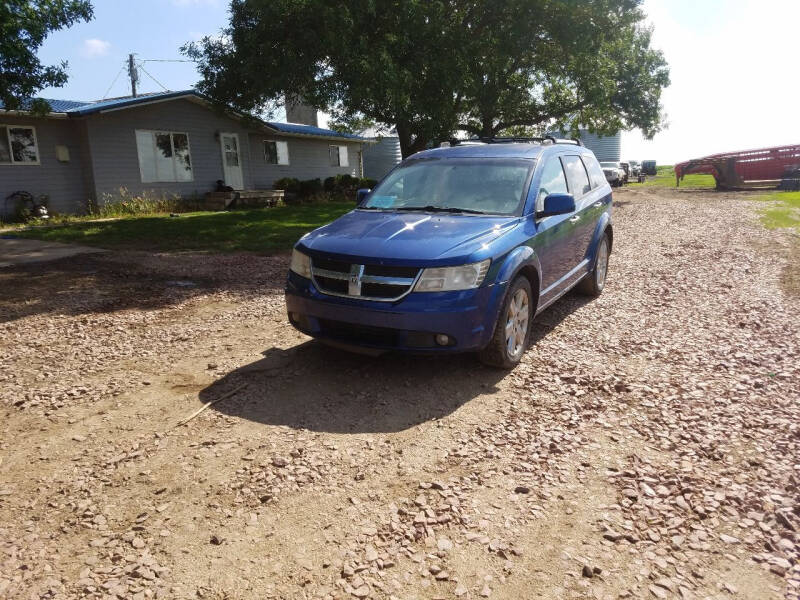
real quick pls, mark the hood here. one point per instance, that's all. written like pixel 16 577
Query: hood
pixel 407 237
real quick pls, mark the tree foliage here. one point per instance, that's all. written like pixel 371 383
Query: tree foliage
pixel 432 67
pixel 24 25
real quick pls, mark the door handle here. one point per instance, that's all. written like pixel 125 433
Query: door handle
pixel 575 219
pixel 597 204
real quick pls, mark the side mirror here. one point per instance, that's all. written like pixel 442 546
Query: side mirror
pixel 361 194
pixel 557 204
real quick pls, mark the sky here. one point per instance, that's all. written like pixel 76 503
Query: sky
pixel 733 66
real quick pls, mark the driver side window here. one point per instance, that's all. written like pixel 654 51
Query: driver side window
pixel 553 181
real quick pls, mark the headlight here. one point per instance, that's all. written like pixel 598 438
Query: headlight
pixel 301 264
pixel 447 279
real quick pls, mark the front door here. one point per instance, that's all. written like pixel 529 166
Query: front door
pixel 231 160
pixel 553 233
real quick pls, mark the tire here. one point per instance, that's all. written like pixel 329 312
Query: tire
pixel 595 280
pixel 515 320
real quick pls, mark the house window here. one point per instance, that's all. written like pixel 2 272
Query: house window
pixel 18 145
pixel 276 153
pixel 163 156
pixel 338 156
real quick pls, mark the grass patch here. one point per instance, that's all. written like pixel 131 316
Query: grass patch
pixel 263 230
pixel 665 177
pixel 784 210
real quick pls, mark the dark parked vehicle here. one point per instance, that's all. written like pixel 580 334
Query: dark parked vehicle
pixel 457 249
pixel 649 167
pixel 627 168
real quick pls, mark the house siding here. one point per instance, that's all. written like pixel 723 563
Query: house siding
pixel 63 182
pixel 308 159
pixel 115 161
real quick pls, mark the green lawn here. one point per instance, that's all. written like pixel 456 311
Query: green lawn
pixel 267 230
pixel 665 177
pixel 784 209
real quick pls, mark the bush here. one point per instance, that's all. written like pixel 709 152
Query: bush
pixel 298 190
pixel 287 184
pixel 367 183
pixel 309 187
pixel 336 188
pixel 341 184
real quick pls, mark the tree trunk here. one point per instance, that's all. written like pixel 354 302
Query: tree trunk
pixel 407 145
pixel 487 128
pixel 404 135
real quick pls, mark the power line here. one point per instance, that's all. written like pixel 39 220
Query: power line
pixel 121 69
pixel 153 78
pixel 177 60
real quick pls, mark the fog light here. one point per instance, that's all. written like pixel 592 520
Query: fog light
pixel 442 339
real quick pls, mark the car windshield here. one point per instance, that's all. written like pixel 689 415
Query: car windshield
pixel 459 185
pixel 609 165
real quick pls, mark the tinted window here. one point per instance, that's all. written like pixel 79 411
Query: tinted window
pixel 552 182
pixel 576 176
pixel 595 172
pixel 494 186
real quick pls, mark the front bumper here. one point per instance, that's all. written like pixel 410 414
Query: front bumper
pixel 411 324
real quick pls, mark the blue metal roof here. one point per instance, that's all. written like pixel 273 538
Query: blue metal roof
pixel 88 108
pixel 79 109
pixel 310 130
pixel 58 106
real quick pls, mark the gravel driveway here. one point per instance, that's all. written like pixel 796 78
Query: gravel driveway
pixel 647 447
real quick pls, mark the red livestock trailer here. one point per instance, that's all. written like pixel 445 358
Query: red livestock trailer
pixel 767 167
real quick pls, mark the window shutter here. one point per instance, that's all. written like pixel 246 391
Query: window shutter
pixel 343 157
pixel 283 152
pixel 147 158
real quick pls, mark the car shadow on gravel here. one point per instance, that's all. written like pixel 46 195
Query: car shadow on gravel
pixel 325 389
pixel 96 284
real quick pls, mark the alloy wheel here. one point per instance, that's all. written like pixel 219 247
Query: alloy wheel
pixel 517 323
pixel 601 268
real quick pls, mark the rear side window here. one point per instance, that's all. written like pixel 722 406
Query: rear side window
pixel 552 182
pixel 595 171
pixel 576 176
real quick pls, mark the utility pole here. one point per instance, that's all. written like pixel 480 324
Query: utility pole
pixel 133 75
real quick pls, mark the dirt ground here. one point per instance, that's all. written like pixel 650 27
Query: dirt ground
pixel 647 447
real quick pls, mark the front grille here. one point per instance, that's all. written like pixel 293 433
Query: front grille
pixel 370 282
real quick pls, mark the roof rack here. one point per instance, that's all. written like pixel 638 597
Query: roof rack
pixel 540 140
pixel 548 139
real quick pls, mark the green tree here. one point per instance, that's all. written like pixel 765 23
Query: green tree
pixel 432 67
pixel 24 25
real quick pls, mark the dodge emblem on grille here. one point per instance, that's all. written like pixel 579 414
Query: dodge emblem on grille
pixel 354 283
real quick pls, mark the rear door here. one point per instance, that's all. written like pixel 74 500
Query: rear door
pixel 597 201
pixel 583 224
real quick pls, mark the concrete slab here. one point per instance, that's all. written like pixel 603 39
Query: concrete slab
pixel 20 251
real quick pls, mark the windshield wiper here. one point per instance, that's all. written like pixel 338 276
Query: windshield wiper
pixel 447 209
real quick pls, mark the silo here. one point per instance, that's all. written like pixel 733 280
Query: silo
pixel 380 158
pixel 605 148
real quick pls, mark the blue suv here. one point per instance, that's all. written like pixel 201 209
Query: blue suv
pixel 457 249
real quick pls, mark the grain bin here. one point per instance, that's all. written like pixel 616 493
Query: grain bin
pixel 605 148
pixel 380 158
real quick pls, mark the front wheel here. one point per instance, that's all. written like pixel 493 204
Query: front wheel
pixel 511 334
pixel 594 281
